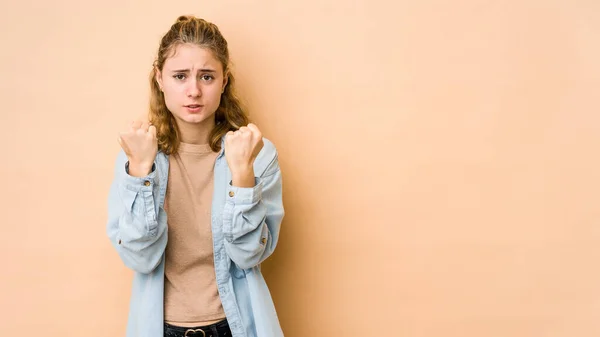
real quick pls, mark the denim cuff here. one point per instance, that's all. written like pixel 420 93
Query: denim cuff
pixel 140 183
pixel 245 195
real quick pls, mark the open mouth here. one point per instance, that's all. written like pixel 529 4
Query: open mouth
pixel 193 106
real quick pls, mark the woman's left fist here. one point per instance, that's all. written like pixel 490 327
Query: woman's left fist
pixel 242 147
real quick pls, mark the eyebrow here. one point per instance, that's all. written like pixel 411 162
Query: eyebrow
pixel 187 71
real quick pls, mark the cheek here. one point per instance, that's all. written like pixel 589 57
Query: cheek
pixel 215 96
pixel 171 103
pixel 172 96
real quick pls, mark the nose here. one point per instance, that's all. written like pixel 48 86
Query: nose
pixel 193 89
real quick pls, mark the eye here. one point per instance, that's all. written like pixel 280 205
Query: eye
pixel 180 77
pixel 207 77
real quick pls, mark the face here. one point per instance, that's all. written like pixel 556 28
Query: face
pixel 192 81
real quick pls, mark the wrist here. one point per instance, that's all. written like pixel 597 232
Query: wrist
pixel 242 177
pixel 139 170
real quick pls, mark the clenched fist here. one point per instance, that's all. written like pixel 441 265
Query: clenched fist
pixel 140 146
pixel 241 148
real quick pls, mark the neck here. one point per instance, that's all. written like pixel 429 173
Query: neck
pixel 196 133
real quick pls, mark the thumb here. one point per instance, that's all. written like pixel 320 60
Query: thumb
pixel 123 143
pixel 152 130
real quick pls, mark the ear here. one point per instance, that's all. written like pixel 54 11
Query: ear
pixel 225 81
pixel 158 78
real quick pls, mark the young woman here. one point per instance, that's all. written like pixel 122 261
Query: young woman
pixel 195 205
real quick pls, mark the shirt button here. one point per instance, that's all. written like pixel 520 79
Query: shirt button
pixel 146 183
pixel 231 194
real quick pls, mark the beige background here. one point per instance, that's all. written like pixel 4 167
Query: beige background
pixel 440 160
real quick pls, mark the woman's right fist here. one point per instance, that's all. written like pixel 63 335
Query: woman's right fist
pixel 140 146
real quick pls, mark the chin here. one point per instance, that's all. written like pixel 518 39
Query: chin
pixel 195 118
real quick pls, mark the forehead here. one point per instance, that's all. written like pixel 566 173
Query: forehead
pixel 191 56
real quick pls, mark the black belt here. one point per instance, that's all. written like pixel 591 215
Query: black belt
pixel 219 329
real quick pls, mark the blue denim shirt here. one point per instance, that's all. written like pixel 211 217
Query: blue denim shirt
pixel 245 227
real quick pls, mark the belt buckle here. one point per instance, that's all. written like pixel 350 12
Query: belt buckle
pixel 194 331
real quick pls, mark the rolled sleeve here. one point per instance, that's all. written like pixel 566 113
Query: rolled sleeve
pixel 242 211
pixel 245 195
pixel 134 185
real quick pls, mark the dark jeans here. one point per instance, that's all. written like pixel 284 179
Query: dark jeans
pixel 219 329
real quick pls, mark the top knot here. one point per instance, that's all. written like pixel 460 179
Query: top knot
pixel 184 18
